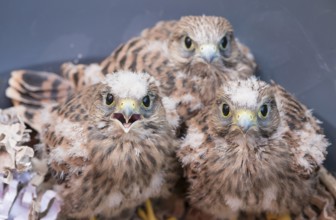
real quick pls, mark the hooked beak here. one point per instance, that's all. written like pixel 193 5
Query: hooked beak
pixel 208 52
pixel 127 114
pixel 245 119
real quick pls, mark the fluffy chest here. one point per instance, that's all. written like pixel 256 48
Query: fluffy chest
pixel 119 175
pixel 135 193
pixel 251 161
pixel 131 157
pixel 241 177
pixel 96 193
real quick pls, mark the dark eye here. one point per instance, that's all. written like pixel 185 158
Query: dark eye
pixel 146 101
pixel 109 99
pixel 226 110
pixel 263 111
pixel 223 43
pixel 188 43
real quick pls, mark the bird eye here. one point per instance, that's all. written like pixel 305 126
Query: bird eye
pixel 226 110
pixel 263 111
pixel 109 99
pixel 188 43
pixel 146 101
pixel 223 43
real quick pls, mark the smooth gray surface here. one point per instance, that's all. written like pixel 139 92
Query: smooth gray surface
pixel 294 42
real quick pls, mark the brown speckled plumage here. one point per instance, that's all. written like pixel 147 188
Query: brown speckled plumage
pixel 270 167
pixel 186 77
pixel 101 169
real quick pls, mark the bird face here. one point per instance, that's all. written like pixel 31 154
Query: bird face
pixel 206 51
pixel 128 101
pixel 247 108
pixel 127 112
pixel 263 118
pixel 203 40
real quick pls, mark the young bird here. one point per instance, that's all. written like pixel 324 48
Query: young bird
pixel 190 57
pixel 109 145
pixel 253 149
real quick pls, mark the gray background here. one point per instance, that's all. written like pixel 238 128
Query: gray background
pixel 294 42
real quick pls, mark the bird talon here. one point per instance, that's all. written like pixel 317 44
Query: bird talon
pixel 149 213
pixel 271 216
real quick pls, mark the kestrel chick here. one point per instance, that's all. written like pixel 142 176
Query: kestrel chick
pixel 190 57
pixel 254 149
pixel 110 146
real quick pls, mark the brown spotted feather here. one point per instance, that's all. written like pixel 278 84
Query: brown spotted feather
pixel 113 169
pixel 272 172
pixel 100 169
pixel 34 91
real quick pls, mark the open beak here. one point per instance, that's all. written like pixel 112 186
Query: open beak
pixel 127 114
pixel 208 52
pixel 245 119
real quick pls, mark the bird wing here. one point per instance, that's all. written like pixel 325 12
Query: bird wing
pixel 44 101
pixel 66 135
pixel 34 91
pixel 195 144
pixel 304 136
pixel 81 75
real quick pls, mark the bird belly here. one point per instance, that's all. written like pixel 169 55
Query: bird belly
pixel 242 184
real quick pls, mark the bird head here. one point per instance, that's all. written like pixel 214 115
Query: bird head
pixel 205 40
pixel 130 100
pixel 247 106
